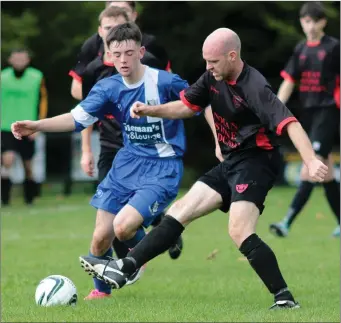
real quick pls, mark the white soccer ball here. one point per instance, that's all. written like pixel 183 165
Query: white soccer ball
pixel 56 290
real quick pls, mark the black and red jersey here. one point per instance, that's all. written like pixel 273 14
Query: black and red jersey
pixel 94 47
pixel 315 67
pixel 247 114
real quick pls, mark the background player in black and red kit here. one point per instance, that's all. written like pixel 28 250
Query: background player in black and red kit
pixel 94 47
pixel 315 66
pixel 248 116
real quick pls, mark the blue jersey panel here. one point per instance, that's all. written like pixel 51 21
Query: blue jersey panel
pixel 147 136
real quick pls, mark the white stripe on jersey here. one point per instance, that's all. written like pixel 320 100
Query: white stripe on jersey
pixel 152 95
pixel 82 117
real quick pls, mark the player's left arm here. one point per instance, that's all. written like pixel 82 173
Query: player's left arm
pixel 277 117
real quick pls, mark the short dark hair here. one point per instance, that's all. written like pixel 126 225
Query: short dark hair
pixel 132 4
pixel 21 50
pixel 124 32
pixel 313 9
pixel 113 12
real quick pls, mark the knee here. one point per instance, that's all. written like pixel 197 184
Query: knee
pixel 243 220
pixel 8 159
pixel 122 231
pixel 236 232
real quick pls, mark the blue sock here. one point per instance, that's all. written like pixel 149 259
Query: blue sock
pixel 99 284
pixel 136 239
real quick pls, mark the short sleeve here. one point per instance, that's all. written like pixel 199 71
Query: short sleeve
pixel 91 109
pixel 178 85
pixel 88 53
pixel 197 96
pixel 270 110
pixel 291 72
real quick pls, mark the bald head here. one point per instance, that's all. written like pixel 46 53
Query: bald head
pixel 221 41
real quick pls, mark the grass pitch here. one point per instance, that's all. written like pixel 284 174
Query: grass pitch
pixel 48 238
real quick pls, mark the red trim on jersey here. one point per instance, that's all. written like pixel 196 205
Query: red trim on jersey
pixel 231 82
pixel 193 107
pixel 313 43
pixel 262 140
pixel 337 92
pixel 75 76
pixel 283 123
pixel 287 76
pixel 168 67
pixel 106 63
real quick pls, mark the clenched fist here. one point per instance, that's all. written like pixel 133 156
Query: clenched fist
pixel 317 170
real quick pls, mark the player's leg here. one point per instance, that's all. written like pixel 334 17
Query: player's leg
pixel 100 248
pixel 250 180
pixel 332 192
pixel 7 160
pixel 201 199
pixel 301 197
pixel 26 148
pixel 104 165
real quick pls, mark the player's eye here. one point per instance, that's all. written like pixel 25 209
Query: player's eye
pixel 130 53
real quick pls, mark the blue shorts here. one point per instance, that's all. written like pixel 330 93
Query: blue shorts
pixel 147 184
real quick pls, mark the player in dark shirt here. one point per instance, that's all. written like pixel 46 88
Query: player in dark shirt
pixel 315 67
pixel 94 47
pixel 248 116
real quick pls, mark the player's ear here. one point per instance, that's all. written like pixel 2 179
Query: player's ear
pixel 232 55
pixel 323 23
pixel 134 16
pixel 100 31
pixel 142 51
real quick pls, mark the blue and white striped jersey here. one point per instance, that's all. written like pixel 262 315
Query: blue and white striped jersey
pixel 147 136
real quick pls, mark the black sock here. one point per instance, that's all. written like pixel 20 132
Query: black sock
pixel 29 190
pixel 158 220
pixel 301 197
pixel 121 250
pixel 156 241
pixel 6 185
pixel 264 262
pixel 332 191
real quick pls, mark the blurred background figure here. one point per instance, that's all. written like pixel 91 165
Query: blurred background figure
pixel 23 96
pixel 315 66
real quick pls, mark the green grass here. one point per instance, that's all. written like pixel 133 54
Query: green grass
pixel 48 238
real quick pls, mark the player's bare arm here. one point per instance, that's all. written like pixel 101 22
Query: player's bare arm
pixel 210 121
pixel 317 170
pixel 171 110
pixel 285 91
pixel 62 123
pixel 87 160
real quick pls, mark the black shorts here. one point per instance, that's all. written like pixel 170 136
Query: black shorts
pixel 105 160
pixel 246 176
pixel 24 147
pixel 322 125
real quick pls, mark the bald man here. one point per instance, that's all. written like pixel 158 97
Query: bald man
pixel 248 117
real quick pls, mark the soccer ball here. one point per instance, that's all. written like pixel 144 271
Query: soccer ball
pixel 56 290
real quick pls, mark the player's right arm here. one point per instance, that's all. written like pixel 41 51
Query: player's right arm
pixel 88 52
pixel 290 75
pixel 87 160
pixel 193 100
pixel 82 116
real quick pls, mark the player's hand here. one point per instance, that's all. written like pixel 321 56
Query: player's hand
pixel 317 170
pixel 24 128
pixel 218 153
pixel 137 109
pixel 88 163
pixel 33 136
